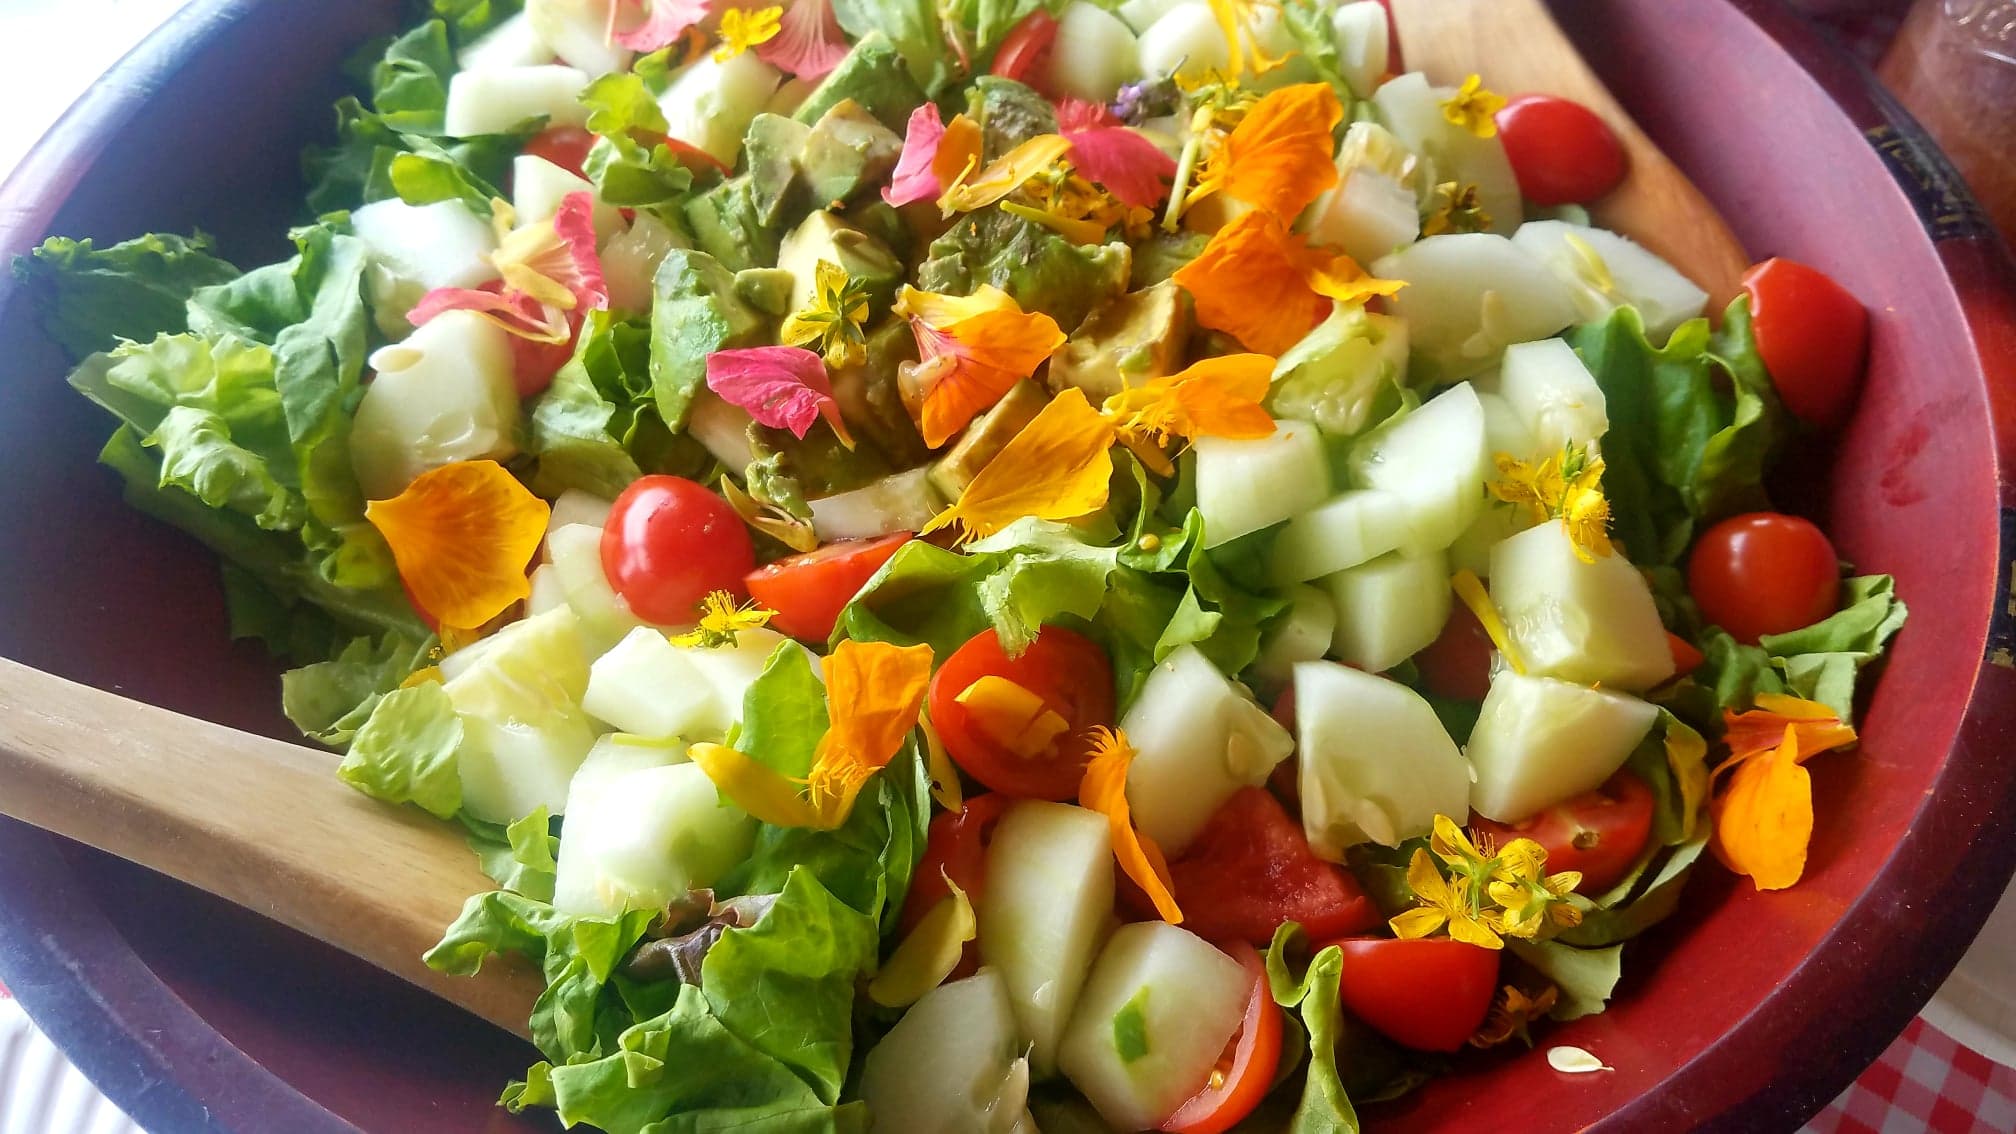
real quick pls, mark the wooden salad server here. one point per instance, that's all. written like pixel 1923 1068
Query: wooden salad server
pixel 259 822
pixel 1519 49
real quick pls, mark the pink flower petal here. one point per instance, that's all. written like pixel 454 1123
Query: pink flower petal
pixel 809 40
pixel 1127 164
pixel 914 180
pixel 664 22
pixel 1075 115
pixel 515 312
pixel 781 387
pixel 574 224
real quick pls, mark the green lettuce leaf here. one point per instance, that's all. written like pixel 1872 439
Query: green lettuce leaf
pixel 626 172
pixel 784 713
pixel 406 751
pixel 1585 977
pixel 1326 1104
pixel 912 26
pixel 329 700
pixel 1822 661
pixel 136 289
pixel 1040 269
pixel 521 857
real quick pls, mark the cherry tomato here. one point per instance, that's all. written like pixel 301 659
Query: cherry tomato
pixel 1250 869
pixel 1071 675
pixel 564 146
pixel 1764 573
pixel 1813 336
pixel 1245 1072
pixel 809 591
pixel 1458 662
pixel 1025 46
pixel 1600 833
pixel 1430 994
pixel 533 365
pixel 1561 152
pixel 1686 658
pixel 668 542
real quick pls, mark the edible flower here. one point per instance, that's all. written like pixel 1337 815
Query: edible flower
pixel 461 536
pixel 935 154
pixel 1474 108
pixel 1104 789
pixel 783 387
pixel 1131 167
pixel 809 41
pixel 1470 589
pixel 874 691
pixel 1060 200
pixel 929 953
pixel 1279 157
pixel 1266 287
pixel 744 28
pixel 1218 397
pixel 1567 486
pixel 971 190
pixel 971 350
pixel 547 270
pixel 1487 892
pixel 1531 898
pixel 833 319
pixel 1236 22
pixel 721 620
pixel 1513 1014
pixel 945 785
pixel 664 21
pixel 1057 468
pixel 1442 904
pixel 1764 815
pixel 1456 208
pixel 775 522
pixel 1013 716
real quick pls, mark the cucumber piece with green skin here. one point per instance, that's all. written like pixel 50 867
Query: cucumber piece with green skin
pixel 712 102
pixel 513 43
pixel 1412 109
pixel 1541 740
pixel 1358 526
pixel 1496 523
pixel 1435 461
pixel 1141 15
pixel 1044 913
pixel 1362 38
pixel 901 502
pixel 1246 485
pixel 1341 372
pixel 1389 609
pixel 732 669
pixel 1546 386
pixel 578 31
pixel 1198 739
pixel 577 562
pixel 1622 274
pixel 1505 431
pixel 1468 296
pixel 1158 1010
pixel 646 837
pixel 445 394
pixel 502 100
pixel 524 733
pixel 952 1065
pixel 1303 634
pixel 1590 622
pixel 1093 55
pixel 1376 763
pixel 648 687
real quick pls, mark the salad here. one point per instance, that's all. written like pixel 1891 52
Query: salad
pixel 994 566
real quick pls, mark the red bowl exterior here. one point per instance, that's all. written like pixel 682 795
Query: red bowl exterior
pixel 1746 1011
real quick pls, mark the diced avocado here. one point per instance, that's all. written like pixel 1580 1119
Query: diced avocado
pixel 1161 255
pixel 982 441
pixel 1040 269
pixel 1009 114
pixel 694 312
pixel 822 236
pixel 766 289
pixel 728 225
pixel 772 145
pixel 1125 341
pixel 872 403
pixel 847 151
pixel 872 74
pixel 885 223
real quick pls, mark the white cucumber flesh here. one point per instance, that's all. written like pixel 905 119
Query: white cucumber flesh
pixel 445 394
pixel 578 32
pixel 437 245
pixel 1435 461
pixel 1362 39
pixel 630 261
pixel 648 687
pixel 1350 529
pixel 1389 609
pixel 1198 738
pixel 900 502
pixel 1368 215
pixel 504 99
pixel 712 102
pixel 1553 394
pixel 513 43
pixel 524 733
pixel 1303 634
pixel 577 561
pixel 1592 622
pixel 1608 271
pixel 1376 763
pixel 539 188
pixel 1094 54
pixel 952 1065
pixel 1540 740
pixel 648 837
pixel 1246 485
pixel 1412 109
pixel 1468 296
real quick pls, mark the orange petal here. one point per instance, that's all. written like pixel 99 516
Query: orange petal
pixel 1764 820
pixel 958 151
pixel 1004 174
pixel 1281 155
pixel 1221 397
pixel 876 690
pixel 1057 468
pixel 1252 282
pixel 973 349
pixel 462 535
pixel 1758 730
pixel 1343 280
pixel 1104 789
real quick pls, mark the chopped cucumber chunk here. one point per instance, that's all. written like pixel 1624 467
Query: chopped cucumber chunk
pixel 646 837
pixel 513 43
pixel 504 99
pixel 1246 485
pixel 547 592
pixel 1436 461
pixel 1303 634
pixel 1591 622
pixel 577 562
pixel 1093 54
pixel 539 188
pixel 1351 529
pixel 952 1065
pixel 1468 296
pixel 444 395
pixel 524 733
pixel 1362 38
pixel 1412 109
pixel 902 502
pixel 1368 215
pixel 1605 271
pixel 1377 765
pixel 1554 396
pixel 1389 608
pixel 1541 740
pixel 649 687
pixel 712 102
pixel 429 246
pixel 1199 738
pixel 578 31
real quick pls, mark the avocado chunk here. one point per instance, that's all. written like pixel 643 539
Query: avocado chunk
pixel 881 220
pixel 694 312
pixel 847 151
pixel 873 74
pixel 766 289
pixel 1124 342
pixel 822 236
pixel 871 399
pixel 1009 114
pixel 983 440
pixel 772 146
pixel 728 224
pixel 1040 269
pixel 1163 254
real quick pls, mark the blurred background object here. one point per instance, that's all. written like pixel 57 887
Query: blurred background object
pixel 1952 63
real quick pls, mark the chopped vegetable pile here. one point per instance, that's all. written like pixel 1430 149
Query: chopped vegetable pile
pixel 966 566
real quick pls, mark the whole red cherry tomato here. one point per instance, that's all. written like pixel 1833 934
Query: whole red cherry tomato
pixel 564 146
pixel 668 542
pixel 1764 573
pixel 1561 152
pixel 1813 337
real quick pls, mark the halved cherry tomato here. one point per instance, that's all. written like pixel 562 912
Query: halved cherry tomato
pixel 1245 1072
pixel 1686 658
pixel 1764 573
pixel 1813 337
pixel 1025 46
pixel 1430 994
pixel 1561 152
pixel 1073 679
pixel 1250 869
pixel 668 542
pixel 809 591
pixel 1458 662
pixel 1600 833
pixel 564 146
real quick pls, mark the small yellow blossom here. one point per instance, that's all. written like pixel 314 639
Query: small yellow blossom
pixel 721 620
pixel 742 29
pixel 1567 486
pixel 1474 108
pixel 1444 904
pixel 1488 892
pixel 833 319
pixel 1066 203
pixel 1470 589
pixel 1456 208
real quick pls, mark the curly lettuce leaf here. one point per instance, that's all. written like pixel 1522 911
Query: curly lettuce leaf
pixel 406 751
pixel 136 289
pixel 1821 662
pixel 329 700
pixel 521 857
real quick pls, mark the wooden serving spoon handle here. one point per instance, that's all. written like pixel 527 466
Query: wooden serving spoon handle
pixel 258 822
pixel 1519 49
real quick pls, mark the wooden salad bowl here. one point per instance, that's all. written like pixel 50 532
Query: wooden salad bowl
pixel 1744 1011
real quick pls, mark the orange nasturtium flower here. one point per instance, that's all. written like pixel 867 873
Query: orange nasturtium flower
pixel 1057 468
pixel 1104 789
pixel 973 348
pixel 971 190
pixel 461 536
pixel 1218 397
pixel 1281 155
pixel 1266 287
pixel 1764 814
pixel 874 691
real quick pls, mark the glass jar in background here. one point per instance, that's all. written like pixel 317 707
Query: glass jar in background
pixel 1953 65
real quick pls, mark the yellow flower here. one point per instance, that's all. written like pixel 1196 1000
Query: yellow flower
pixel 1058 468
pixel 1236 21
pixel 1471 590
pixel 833 319
pixel 1343 280
pixel 721 620
pixel 461 536
pixel 1531 898
pixel 1474 108
pixel 1065 203
pixel 1218 397
pixel 972 349
pixel 742 29
pixel 1279 157
pixel 1764 815
pixel 1443 904
pixel 1003 175
pixel 1523 899
pixel 1104 789
pixel 1512 1014
pixel 1567 486
pixel 1456 209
